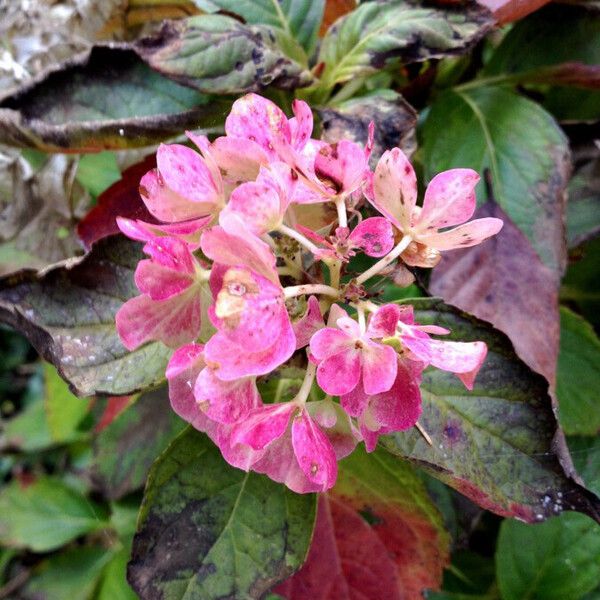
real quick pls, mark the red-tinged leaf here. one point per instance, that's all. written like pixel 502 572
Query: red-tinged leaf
pixel 507 11
pixel 120 199
pixel 334 9
pixel 115 405
pixel 494 281
pixel 378 535
pixel 576 74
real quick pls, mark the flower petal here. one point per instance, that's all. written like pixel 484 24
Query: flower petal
pixel 338 374
pixel 374 236
pixel 464 236
pixel 160 282
pixel 301 125
pixel 383 322
pixel 262 425
pixel 342 165
pixel 355 402
pixel 463 358
pixel 379 364
pixel 240 159
pixel 328 341
pixel 308 324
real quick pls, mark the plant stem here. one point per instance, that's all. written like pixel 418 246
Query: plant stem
pixel 386 260
pixel 309 377
pixel 295 235
pixel 310 288
pixel 340 204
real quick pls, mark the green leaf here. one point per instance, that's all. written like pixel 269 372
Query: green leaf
pixel 557 560
pixel 68 314
pixel 113 584
pixel 578 375
pixel 125 450
pixel 585 452
pixel 29 430
pixel 218 55
pixel 382 34
pixel 97 172
pixel 208 530
pixel 106 98
pixel 522 147
pixel 299 18
pixel 494 444
pixel 64 411
pixel 45 515
pixel 72 574
pixel 583 207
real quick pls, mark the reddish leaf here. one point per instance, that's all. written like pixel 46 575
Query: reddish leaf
pixel 115 405
pixel 120 199
pixel 507 11
pixel 503 281
pixel 377 536
pixel 334 9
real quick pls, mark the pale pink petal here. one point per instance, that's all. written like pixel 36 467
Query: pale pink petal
pixel 336 312
pixel 328 341
pixel 160 282
pixel 240 159
pixel 314 452
pixel 349 326
pixel 301 125
pixel 225 401
pixel 463 358
pixel 374 236
pixel 342 164
pixel 383 322
pixel 205 148
pixel 449 200
pixel 237 360
pixel 174 321
pixel 239 248
pixel 395 188
pixel 187 231
pixel 339 374
pixel 308 324
pixel 172 254
pixel 400 407
pixel 262 425
pixel 419 344
pixel 369 436
pixel 463 236
pixel 379 365
pixel 259 120
pixel 355 402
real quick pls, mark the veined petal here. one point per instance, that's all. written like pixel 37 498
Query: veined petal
pixel 374 236
pixel 309 323
pixel 160 282
pixel 338 374
pixel 355 402
pixel 328 341
pixel 383 322
pixel 262 425
pixel 463 358
pixel 379 364
pixel 314 451
pixel 240 159
pixel 463 236
pixel 395 188
pixel 449 200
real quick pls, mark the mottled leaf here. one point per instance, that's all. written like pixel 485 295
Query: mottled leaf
pixel 207 530
pixel 217 54
pixel 522 147
pixel 378 535
pixel 496 443
pixel 300 18
pixel 583 208
pixel 557 560
pixel 586 453
pixel 578 376
pixel 103 99
pixel 394 118
pixel 494 281
pixel 45 514
pixel 383 34
pixel 124 451
pixel 68 314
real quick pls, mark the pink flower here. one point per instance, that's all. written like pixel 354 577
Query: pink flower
pixel 308 324
pixel 348 356
pixel 171 283
pixel 449 200
pixel 185 185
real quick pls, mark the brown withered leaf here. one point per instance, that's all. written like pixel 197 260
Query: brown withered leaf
pixel 503 281
pixel 394 118
pixel 507 11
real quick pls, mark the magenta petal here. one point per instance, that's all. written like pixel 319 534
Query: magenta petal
pixel 395 188
pixel 463 358
pixel 301 125
pixel 339 374
pixel 379 365
pixel 187 231
pixel 328 341
pixel 262 425
pixel 343 163
pixel 400 407
pixel 383 322
pixel 449 200
pixel 369 436
pixel 374 236
pixel 314 451
pixel 160 282
pixel 308 324
pixel 226 401
pixel 175 321
pixel 463 236
pixel 355 402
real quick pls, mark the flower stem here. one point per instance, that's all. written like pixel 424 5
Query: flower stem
pixel 296 235
pixel 340 204
pixel 309 377
pixel 386 260
pixel 310 288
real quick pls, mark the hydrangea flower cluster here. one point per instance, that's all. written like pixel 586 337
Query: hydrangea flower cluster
pixel 248 277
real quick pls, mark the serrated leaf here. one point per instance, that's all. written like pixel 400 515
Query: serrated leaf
pixel 68 314
pixel 494 444
pixel 218 55
pixel 124 451
pixel 378 535
pixel 578 376
pixel 557 560
pixel 106 98
pixel 45 514
pixel 207 530
pixel 521 146
pixel 382 34
pixel 300 18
